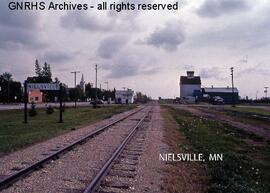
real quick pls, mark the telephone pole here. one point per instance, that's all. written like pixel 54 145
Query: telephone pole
pixel 233 103
pixel 75 78
pixel 265 91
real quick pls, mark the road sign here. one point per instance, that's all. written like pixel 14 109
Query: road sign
pixel 42 86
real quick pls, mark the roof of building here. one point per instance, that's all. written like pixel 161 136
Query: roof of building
pixel 190 80
pixel 124 91
pixel 220 90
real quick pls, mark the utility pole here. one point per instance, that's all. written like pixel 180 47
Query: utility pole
pixel 233 103
pixel 75 77
pixel 257 95
pixel 8 91
pixel 265 91
pixel 96 68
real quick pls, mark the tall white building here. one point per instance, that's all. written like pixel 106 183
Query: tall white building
pixel 189 85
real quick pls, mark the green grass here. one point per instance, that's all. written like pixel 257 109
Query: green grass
pixel 245 168
pixel 15 134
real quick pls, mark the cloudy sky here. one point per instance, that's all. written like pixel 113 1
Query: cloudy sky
pixel 143 50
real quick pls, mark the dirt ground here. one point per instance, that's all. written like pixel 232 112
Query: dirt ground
pixel 263 132
pixel 180 177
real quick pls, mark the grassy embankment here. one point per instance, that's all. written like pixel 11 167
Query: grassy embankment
pixel 245 167
pixel 260 111
pixel 15 134
pixel 256 116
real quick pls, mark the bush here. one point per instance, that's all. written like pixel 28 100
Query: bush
pixel 33 111
pixel 49 110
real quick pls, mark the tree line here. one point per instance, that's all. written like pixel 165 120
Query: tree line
pixel 12 91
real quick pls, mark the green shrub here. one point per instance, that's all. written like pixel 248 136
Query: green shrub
pixel 32 111
pixel 49 110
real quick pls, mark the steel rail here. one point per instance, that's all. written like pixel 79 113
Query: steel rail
pixel 94 184
pixel 20 174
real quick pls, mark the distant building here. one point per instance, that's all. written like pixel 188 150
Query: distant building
pixel 225 93
pixel 189 86
pixel 124 96
pixel 82 84
pixel 35 96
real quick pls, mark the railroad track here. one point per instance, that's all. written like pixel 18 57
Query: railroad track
pixel 9 180
pixel 130 159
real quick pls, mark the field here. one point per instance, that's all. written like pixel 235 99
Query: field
pixel 246 164
pixel 15 134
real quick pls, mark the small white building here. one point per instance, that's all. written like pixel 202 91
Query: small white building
pixel 189 85
pixel 124 96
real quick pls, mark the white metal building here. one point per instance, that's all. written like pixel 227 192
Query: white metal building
pixel 124 96
pixel 189 85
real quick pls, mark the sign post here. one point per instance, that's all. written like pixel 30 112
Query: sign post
pixel 61 106
pixel 25 102
pixel 43 86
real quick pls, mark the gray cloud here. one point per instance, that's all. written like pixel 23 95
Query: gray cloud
pixel 124 66
pixel 18 19
pixel 127 65
pixel 81 20
pixel 260 69
pixel 10 38
pixel 57 56
pixel 216 8
pixel 169 37
pixel 120 22
pixel 19 28
pixel 213 72
pixel 111 45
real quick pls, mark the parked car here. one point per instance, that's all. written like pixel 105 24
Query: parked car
pixel 217 100
pixel 99 102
